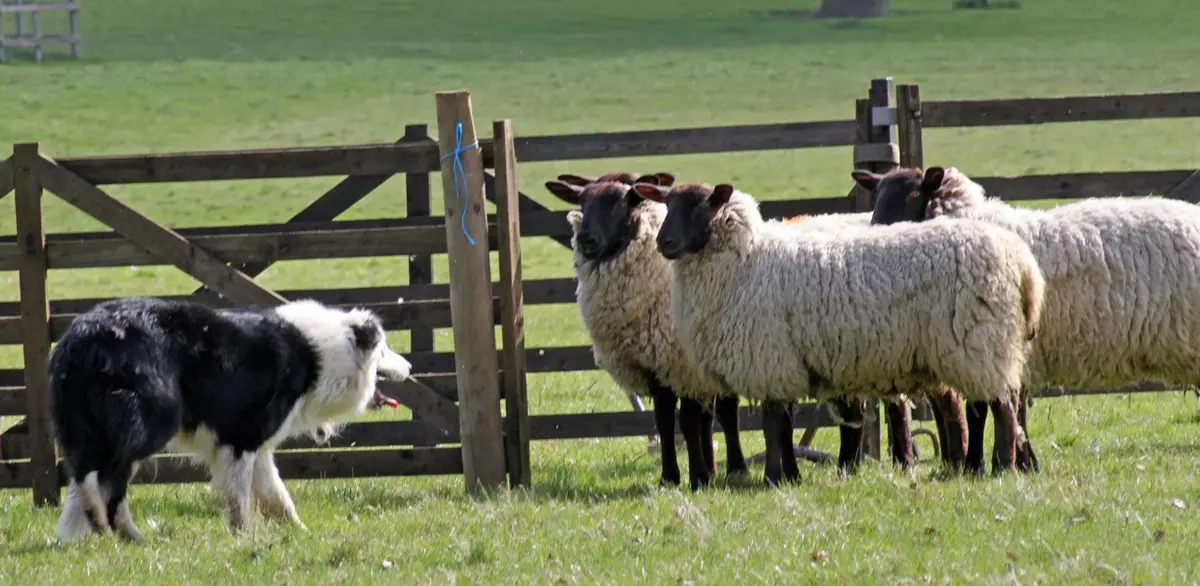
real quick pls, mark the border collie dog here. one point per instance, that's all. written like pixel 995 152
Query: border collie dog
pixel 132 376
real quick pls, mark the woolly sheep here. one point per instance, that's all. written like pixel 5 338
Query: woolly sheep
pixel 947 405
pixel 784 315
pixel 623 294
pixel 1123 277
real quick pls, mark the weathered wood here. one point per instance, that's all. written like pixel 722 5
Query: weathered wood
pixel 1188 190
pixel 35 42
pixel 537 292
pixel 294 243
pixel 680 141
pixel 525 205
pixel 369 159
pixel 6 177
pixel 470 293
pixel 420 266
pixel 330 205
pixel 512 307
pixel 562 359
pixel 1082 185
pixel 12 400
pixel 908 121
pixel 960 113
pixel 155 238
pixel 426 403
pixel 39 7
pixel 35 320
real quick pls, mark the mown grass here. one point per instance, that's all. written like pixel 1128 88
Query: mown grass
pixel 1114 503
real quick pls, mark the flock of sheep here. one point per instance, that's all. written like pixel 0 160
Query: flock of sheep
pixel 688 294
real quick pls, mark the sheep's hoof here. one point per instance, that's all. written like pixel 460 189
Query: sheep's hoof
pixel 669 482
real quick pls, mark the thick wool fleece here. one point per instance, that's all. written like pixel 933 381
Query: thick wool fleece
pixel 784 316
pixel 1122 284
pixel 625 303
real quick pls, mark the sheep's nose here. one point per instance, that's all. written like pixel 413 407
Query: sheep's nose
pixel 587 244
pixel 669 247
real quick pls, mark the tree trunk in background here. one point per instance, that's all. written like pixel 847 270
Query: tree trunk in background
pixel 853 8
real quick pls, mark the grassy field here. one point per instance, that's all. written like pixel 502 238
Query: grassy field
pixel 1116 502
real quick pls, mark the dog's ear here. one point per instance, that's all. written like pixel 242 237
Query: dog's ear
pixel 367 332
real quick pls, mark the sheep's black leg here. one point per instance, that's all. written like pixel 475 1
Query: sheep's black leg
pixel 706 438
pixel 773 471
pixel 727 416
pixel 953 432
pixel 899 424
pixel 691 422
pixel 850 451
pixel 977 412
pixel 787 455
pixel 1027 461
pixel 664 421
pixel 1005 450
pixel 939 420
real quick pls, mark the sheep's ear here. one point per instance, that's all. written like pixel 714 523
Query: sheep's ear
pixel 868 180
pixel 565 191
pixel 720 195
pixel 651 192
pixel 651 179
pixel 579 180
pixel 665 179
pixel 933 179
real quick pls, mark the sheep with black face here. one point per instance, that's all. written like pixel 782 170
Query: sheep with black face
pixel 1122 278
pixel 785 316
pixel 624 299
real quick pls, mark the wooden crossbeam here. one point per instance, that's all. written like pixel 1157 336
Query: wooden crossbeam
pixel 1187 190
pixel 154 237
pixel 427 405
pixel 6 177
pixel 329 205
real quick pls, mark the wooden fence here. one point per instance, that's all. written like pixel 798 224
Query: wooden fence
pixel 36 37
pixel 465 385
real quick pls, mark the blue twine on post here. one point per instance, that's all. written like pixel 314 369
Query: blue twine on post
pixel 460 172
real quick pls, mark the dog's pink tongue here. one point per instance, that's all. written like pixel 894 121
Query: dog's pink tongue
pixel 382 399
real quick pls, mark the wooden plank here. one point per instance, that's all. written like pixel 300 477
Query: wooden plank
pixel 155 238
pixel 38 7
pixel 680 141
pixel 525 205
pixel 424 314
pixel 512 307
pixel 562 359
pixel 291 244
pixel 369 159
pixel 31 41
pixel 330 205
pixel 12 399
pixel 420 266
pixel 536 292
pixel 1020 111
pixel 35 318
pixel 470 292
pixel 1083 185
pixel 908 122
pixel 6 177
pixel 1188 190
pixel 431 407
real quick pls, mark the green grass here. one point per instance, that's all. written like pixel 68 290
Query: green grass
pixel 159 76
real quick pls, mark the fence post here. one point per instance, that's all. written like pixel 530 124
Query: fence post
pixel 512 305
pixel 35 322
pixel 420 266
pixel 908 120
pixel 876 150
pixel 470 293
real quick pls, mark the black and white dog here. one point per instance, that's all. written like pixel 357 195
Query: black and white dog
pixel 132 376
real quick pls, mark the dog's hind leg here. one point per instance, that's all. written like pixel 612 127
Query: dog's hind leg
pixel 94 502
pixel 270 492
pixel 233 475
pixel 118 502
pixel 73 523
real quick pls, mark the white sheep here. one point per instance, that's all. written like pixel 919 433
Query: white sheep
pixel 1122 274
pixel 623 295
pixel 779 315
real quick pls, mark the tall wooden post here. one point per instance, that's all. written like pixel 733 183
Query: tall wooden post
pixel 512 305
pixel 908 120
pixel 875 150
pixel 35 322
pixel 470 293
